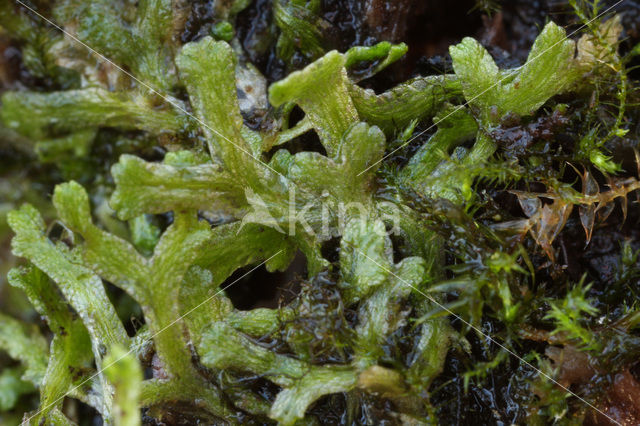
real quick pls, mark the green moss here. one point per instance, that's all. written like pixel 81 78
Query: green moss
pixel 373 316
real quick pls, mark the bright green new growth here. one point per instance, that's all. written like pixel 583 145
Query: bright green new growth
pixel 549 70
pixel 124 372
pixel 201 343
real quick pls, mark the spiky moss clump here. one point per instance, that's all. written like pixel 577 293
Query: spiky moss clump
pixel 378 311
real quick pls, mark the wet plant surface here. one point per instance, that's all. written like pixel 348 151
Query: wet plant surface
pixel 154 268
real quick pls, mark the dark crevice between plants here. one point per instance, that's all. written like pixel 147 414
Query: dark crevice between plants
pixel 263 289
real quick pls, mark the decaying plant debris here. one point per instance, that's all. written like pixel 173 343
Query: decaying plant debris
pixel 163 272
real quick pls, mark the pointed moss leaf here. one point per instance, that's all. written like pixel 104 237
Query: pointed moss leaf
pixel 124 372
pixel 12 387
pixel 143 187
pixel 549 70
pixel 365 256
pixel 25 344
pixel 40 114
pixel 321 90
pixel 36 42
pixel 17 23
pixel 394 109
pixel 207 68
pixel 82 288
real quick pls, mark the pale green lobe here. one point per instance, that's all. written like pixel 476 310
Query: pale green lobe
pixel 322 91
pixel 201 302
pixel 455 126
pixel 154 38
pixel 341 175
pixel 70 350
pixel 284 136
pixel 144 187
pixel 124 372
pixel 236 245
pixel 37 115
pixel 436 337
pixel 394 109
pixel 153 22
pixel 207 68
pixel 155 282
pixel 101 26
pixel 70 362
pixel 222 346
pixel 365 256
pixel 478 72
pixel 113 258
pixel 176 251
pixel 260 321
pixel 42 294
pixel 144 234
pixel 549 70
pixel 382 313
pixel 12 387
pixel 369 274
pixel 380 56
pixel 24 343
pixel 292 403
pixel 75 144
pixel 82 288
pixel 143 45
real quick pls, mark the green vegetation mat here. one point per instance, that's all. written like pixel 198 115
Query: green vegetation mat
pixel 221 212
